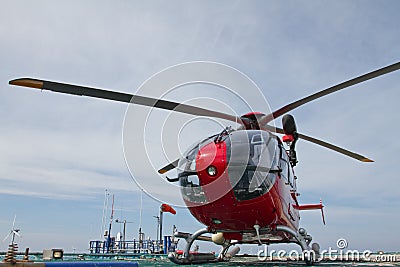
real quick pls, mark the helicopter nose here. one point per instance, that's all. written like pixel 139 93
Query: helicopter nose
pixel 211 162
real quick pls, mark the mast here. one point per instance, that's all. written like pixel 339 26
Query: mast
pixel 141 208
pixel 103 218
pixel 109 228
pixel 141 235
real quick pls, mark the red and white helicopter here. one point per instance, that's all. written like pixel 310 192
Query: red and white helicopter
pixel 250 165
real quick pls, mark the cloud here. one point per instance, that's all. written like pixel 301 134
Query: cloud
pixel 51 164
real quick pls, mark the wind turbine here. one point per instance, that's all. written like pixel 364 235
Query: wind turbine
pixel 13 232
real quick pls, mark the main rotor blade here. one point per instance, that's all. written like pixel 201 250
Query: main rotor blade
pixel 336 148
pixel 324 144
pixel 343 85
pixel 169 167
pixel 122 97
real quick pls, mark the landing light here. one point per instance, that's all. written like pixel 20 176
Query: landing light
pixel 212 171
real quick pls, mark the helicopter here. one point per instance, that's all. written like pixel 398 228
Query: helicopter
pixel 239 183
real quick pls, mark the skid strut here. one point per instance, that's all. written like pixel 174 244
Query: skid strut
pixel 192 258
pixel 303 240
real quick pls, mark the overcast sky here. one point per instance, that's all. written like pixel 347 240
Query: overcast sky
pixel 59 153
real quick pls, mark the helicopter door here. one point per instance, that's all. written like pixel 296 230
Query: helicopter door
pixel 287 171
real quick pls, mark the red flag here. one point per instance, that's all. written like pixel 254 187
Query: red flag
pixel 167 208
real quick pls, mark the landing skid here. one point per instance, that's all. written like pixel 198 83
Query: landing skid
pixel 300 237
pixel 192 258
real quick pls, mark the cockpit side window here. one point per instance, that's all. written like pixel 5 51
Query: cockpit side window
pixel 191 189
pixel 190 184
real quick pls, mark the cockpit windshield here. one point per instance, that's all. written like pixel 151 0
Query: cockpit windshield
pixel 252 158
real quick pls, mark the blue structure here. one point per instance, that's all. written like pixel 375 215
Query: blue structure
pixel 134 246
pixel 168 245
